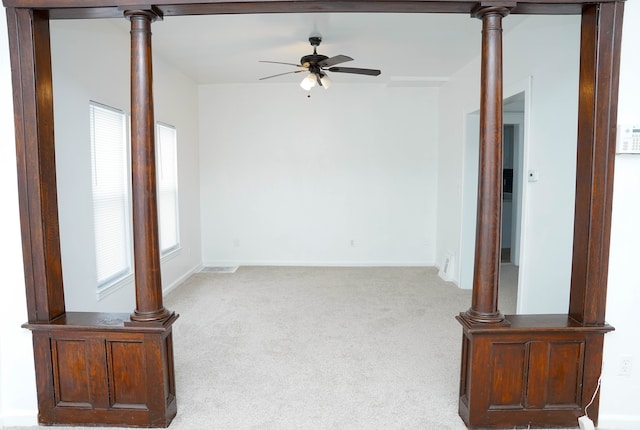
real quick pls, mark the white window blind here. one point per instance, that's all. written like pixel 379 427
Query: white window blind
pixel 110 172
pixel 167 187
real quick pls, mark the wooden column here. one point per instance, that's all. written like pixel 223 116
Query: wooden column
pixel 146 247
pixel 91 368
pixel 484 306
pixel 35 151
pixel 597 115
pixel 542 370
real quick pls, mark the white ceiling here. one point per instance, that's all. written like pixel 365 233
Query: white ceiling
pixel 410 49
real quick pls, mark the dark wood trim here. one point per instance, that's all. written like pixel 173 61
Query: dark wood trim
pixel 62 9
pixel 284 5
pixel 597 115
pixel 535 323
pixel 333 7
pixel 33 109
pixel 146 241
pixel 484 305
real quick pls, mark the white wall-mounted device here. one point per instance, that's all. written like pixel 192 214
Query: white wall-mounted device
pixel 628 139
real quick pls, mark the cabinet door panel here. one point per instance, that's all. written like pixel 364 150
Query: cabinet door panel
pixel 71 373
pixel 127 374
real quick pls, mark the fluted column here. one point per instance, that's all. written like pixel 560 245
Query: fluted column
pixel 484 306
pixel 146 249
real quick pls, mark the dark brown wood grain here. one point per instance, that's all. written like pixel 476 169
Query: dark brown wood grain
pixel 542 371
pixel 35 150
pixel 94 369
pixel 113 8
pixel 597 117
pixel 484 305
pixel 146 241
pixel 529 374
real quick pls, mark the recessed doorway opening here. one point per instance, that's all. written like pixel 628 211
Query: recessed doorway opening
pixel 514 154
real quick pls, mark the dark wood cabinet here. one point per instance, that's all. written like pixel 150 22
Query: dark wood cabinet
pixel 96 368
pixel 537 370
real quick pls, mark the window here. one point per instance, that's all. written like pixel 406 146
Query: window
pixel 110 174
pixel 167 187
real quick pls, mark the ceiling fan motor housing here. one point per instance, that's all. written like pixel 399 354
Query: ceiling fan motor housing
pixel 312 59
pixel 315 58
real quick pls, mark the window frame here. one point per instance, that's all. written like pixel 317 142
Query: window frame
pixel 115 281
pixel 176 245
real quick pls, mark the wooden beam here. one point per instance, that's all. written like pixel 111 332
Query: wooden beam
pixel 33 109
pixel 112 8
pixel 597 116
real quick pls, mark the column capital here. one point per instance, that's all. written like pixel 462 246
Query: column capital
pixel 481 10
pixel 152 13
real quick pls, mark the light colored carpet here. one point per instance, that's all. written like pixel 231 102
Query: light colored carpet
pixel 319 348
pixel 508 291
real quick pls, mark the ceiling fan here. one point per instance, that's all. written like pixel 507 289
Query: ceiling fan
pixel 317 66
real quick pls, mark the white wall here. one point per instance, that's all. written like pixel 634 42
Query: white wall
pixel 619 397
pixel 550 60
pixel 79 77
pixel 17 378
pixel 287 179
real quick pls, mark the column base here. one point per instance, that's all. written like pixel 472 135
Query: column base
pixel 154 316
pixel 475 317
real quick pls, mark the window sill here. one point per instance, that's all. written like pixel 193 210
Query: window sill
pixel 173 253
pixel 128 279
pixel 114 286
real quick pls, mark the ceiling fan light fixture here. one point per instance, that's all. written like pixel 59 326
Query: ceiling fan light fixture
pixel 308 82
pixel 325 81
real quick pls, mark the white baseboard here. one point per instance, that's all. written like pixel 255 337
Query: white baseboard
pixel 618 422
pixel 181 279
pixel 298 263
pixel 19 418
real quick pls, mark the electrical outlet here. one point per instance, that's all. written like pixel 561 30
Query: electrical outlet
pixel 625 365
pixel 352 243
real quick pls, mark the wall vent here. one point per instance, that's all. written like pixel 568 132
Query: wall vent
pixel 447 268
pixel 219 269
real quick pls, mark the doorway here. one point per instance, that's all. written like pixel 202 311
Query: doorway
pixel 514 151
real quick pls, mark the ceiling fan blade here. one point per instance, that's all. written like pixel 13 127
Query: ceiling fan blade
pixel 334 60
pixel 279 62
pixel 280 74
pixel 370 72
